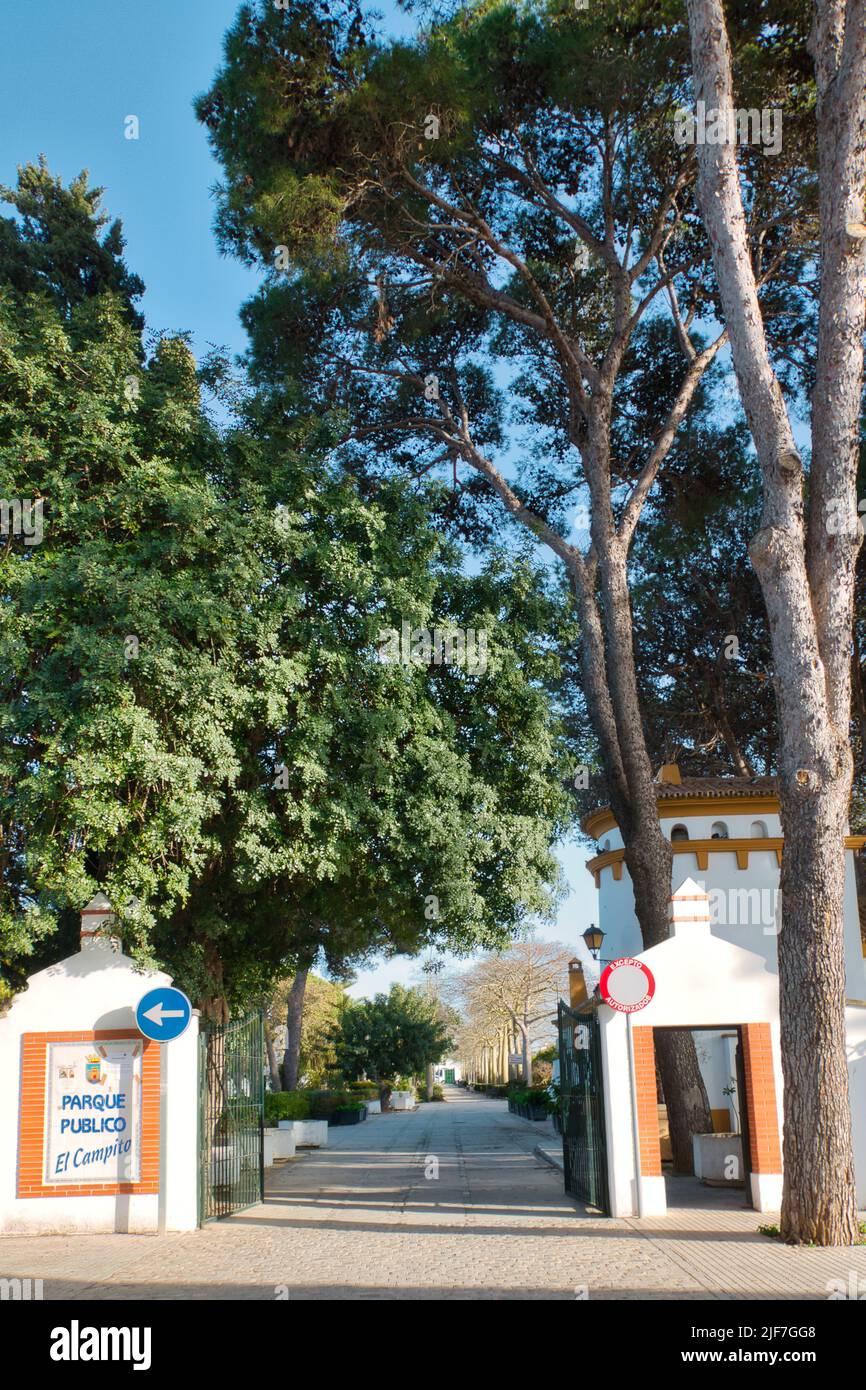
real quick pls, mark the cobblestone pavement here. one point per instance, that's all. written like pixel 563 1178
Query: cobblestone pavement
pixel 367 1219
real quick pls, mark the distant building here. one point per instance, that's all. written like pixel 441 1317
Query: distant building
pixel 447 1073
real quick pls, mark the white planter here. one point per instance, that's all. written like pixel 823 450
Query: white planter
pixel 279 1143
pixel 402 1100
pixel 719 1159
pixel 221 1158
pixel 374 1107
pixel 308 1134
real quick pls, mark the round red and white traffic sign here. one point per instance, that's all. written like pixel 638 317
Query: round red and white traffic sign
pixel 627 985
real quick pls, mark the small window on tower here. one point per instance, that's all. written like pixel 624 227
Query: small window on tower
pixel 719 830
pixel 759 830
pixel 679 832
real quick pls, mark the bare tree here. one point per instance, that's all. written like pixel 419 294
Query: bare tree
pixel 804 555
pixel 515 991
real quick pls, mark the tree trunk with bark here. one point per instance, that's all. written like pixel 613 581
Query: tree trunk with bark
pixel 273 1065
pixel 527 1060
pixel 648 856
pixel 294 1021
pixel 649 860
pixel 807 582
pixel 818 1199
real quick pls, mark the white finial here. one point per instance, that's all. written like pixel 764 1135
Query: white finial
pixel 690 909
pixel 96 920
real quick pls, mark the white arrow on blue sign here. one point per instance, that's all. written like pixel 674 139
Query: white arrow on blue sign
pixel 163 1014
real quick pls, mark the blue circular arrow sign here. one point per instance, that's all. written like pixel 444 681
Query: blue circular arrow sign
pixel 163 1014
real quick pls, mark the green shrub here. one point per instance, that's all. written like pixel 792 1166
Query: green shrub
pixel 364 1090
pixel 324 1103
pixel 421 1092
pixel 286 1105
pixel 534 1095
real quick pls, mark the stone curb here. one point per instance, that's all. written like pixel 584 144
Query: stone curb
pixel 549 1158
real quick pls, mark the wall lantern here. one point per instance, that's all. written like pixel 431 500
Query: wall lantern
pixel 593 937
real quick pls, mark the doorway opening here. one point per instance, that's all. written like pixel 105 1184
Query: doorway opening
pixel 722 1157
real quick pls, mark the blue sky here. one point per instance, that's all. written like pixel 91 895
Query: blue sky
pixel 70 75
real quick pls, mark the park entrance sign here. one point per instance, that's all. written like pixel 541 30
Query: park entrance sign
pixel 93 1112
pixel 627 985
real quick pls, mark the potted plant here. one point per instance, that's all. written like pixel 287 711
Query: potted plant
pixel 280 1142
pixel 537 1103
pixel 532 1103
pixel 293 1115
pixel 348 1112
pixel 555 1099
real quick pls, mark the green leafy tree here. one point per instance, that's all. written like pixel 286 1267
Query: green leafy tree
pixel 196 718
pixel 394 1034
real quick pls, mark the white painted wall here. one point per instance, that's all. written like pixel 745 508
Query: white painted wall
pixel 700 979
pixel 97 989
pixel 855 1018
pixel 714 1061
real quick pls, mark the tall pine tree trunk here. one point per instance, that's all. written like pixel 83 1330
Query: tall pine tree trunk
pixel 610 680
pixel 818 1199
pixel 649 859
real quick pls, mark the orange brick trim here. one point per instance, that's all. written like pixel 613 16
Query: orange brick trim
pixel 31 1123
pixel 647 1104
pixel 761 1109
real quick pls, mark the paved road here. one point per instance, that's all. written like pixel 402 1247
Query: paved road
pixel 446 1202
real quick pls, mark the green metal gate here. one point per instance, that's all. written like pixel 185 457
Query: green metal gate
pixel 584 1139
pixel 231 1114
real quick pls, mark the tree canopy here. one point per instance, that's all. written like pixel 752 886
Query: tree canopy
pixel 196 716
pixel 392 1035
